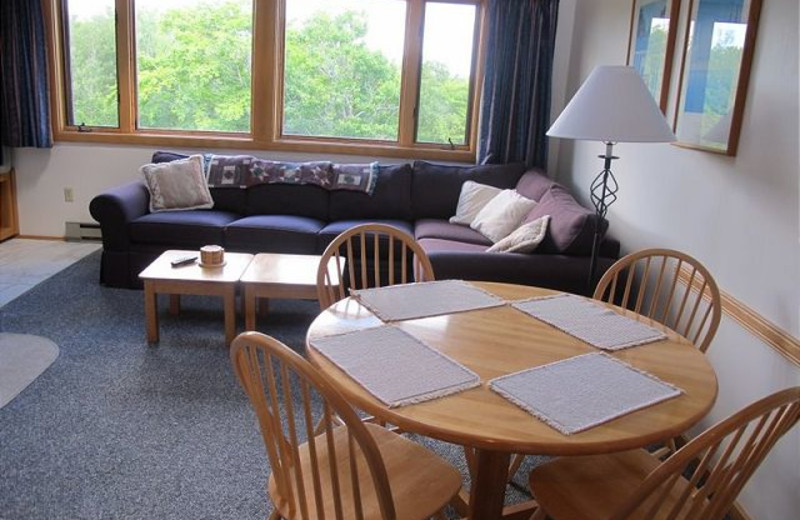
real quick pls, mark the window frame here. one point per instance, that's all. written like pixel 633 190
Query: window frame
pixel 266 114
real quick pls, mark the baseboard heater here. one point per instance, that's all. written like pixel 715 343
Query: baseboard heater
pixel 83 231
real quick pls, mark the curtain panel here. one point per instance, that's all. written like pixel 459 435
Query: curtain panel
pixel 515 107
pixel 24 89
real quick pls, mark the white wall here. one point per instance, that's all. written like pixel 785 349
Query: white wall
pixel 42 176
pixel 740 215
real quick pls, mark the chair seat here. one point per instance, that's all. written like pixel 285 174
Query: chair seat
pixel 594 487
pixel 419 479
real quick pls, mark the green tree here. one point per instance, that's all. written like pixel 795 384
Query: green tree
pixel 334 85
pixel 194 73
pixel 93 70
pixel 194 67
pixel 443 105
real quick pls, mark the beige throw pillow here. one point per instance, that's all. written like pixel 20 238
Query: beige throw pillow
pixel 502 215
pixel 524 239
pixel 474 196
pixel 177 185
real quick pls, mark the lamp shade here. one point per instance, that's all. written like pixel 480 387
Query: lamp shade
pixel 613 105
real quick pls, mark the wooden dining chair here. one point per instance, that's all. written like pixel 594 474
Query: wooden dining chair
pixel 669 287
pixel 370 255
pixel 699 482
pixel 354 471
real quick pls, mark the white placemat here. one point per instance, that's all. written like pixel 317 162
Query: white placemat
pixel 578 393
pixel 590 321
pixel 394 366
pixel 424 299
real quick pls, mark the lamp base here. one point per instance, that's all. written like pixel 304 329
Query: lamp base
pixel 603 193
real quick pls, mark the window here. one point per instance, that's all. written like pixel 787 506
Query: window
pixel 444 92
pixel 377 77
pixel 91 83
pixel 193 64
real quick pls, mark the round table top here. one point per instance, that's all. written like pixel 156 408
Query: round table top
pixel 502 340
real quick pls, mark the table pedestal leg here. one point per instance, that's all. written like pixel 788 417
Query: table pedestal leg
pixel 151 312
pixel 489 485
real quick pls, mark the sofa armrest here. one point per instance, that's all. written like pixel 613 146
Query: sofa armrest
pixel 115 209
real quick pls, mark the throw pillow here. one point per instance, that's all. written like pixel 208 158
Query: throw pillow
pixel 502 215
pixel 571 225
pixel 474 196
pixel 177 185
pixel 524 239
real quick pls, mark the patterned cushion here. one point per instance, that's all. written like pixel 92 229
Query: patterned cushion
pixel 524 239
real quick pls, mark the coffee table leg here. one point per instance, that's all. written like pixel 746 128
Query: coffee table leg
pixel 249 308
pixel 229 304
pixel 151 312
pixel 489 486
pixel 174 304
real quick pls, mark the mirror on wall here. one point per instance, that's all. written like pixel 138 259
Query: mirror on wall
pixel 651 43
pixel 717 55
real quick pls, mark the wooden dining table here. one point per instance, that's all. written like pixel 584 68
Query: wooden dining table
pixel 502 340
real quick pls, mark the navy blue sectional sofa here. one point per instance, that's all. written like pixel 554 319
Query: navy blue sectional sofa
pixel 304 219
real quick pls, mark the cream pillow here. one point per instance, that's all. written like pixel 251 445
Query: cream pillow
pixel 177 185
pixel 502 215
pixel 474 196
pixel 524 239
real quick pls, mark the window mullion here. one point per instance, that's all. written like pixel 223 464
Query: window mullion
pixel 412 60
pixel 265 94
pixel 126 73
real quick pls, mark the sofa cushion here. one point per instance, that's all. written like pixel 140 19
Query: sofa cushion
pixel 391 198
pixel 436 245
pixel 436 187
pixel 177 185
pixel 534 184
pixel 524 239
pixel 190 229
pixel 435 228
pixel 473 198
pixel 502 215
pixel 571 225
pixel 227 199
pixel 274 234
pixel 328 233
pixel 285 199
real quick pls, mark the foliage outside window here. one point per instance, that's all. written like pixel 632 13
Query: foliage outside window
pixel 326 76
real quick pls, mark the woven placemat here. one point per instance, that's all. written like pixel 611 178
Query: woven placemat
pixel 425 299
pixel 578 393
pixel 394 366
pixel 589 321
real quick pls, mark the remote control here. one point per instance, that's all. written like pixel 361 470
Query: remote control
pixel 183 260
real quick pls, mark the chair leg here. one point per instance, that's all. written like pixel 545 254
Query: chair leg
pixel 274 515
pixel 539 514
pixel 516 462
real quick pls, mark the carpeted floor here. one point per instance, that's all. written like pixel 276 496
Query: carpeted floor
pixel 114 429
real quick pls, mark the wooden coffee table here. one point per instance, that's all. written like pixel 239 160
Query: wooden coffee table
pixel 277 275
pixel 161 278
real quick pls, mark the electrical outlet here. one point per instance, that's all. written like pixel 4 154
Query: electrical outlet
pixel 69 196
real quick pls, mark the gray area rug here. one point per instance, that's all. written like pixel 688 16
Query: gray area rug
pixel 115 429
pixel 23 358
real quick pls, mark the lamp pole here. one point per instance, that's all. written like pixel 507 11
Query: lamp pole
pixel 603 193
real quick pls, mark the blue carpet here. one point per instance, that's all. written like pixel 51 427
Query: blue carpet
pixel 114 429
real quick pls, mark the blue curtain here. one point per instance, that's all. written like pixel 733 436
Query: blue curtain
pixel 515 108
pixel 24 90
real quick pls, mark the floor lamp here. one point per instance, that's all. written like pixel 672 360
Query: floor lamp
pixel 613 106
